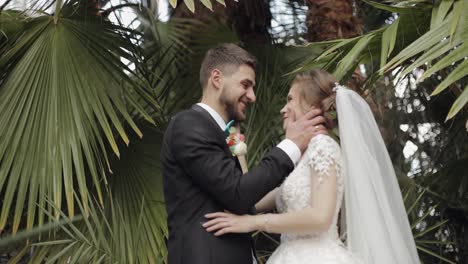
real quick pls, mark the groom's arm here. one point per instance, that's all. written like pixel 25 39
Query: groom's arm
pixel 206 162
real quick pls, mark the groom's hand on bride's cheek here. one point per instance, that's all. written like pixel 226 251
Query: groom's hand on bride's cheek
pixel 300 131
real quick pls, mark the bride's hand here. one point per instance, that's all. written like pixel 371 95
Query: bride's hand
pixel 224 223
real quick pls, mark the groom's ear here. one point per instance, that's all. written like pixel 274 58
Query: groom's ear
pixel 217 78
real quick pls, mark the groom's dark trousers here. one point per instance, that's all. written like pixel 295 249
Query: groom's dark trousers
pixel 202 176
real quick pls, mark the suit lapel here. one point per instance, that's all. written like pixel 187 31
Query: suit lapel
pixel 219 133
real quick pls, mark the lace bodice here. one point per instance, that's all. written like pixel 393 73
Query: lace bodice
pixel 322 155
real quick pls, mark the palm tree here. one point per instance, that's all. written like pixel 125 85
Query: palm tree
pixel 330 20
pixel 66 151
pixel 81 130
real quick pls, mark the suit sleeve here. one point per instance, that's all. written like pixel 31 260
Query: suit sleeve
pixel 215 172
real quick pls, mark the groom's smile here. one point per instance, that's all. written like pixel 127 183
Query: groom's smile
pixel 238 92
pixel 243 106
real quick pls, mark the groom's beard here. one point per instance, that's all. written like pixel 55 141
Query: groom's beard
pixel 230 107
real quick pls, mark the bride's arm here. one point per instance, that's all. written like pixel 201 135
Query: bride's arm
pixel 317 218
pixel 310 220
pixel 268 202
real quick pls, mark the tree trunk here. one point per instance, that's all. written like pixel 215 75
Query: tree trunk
pixel 94 6
pixel 251 19
pixel 334 19
pixel 331 19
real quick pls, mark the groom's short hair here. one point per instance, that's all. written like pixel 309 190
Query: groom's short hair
pixel 226 57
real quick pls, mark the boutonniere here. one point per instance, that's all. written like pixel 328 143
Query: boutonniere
pixel 236 142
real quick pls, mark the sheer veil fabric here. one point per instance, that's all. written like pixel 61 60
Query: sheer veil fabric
pixel 377 225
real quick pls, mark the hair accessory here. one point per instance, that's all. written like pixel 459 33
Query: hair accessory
pixel 337 86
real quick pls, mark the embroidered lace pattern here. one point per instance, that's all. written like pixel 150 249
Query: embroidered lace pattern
pixel 322 156
pixel 295 192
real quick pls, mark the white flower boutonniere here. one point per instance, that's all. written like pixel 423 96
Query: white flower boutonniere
pixel 236 142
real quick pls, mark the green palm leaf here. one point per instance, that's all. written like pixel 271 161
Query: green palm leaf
pixel 63 101
pixel 421 214
pixel 415 38
pixel 12 24
pixel 343 56
pixel 137 188
pixel 191 4
pixel 444 43
pixel 129 228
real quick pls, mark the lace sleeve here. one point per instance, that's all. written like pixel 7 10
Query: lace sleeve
pixel 323 154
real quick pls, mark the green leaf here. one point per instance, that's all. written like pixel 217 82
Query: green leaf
pixel 23 235
pixel 430 252
pixel 207 3
pixel 142 202
pixel 459 104
pixel 190 4
pixel 58 8
pixel 435 242
pixel 429 229
pixel 344 66
pixel 64 97
pixel 440 12
pixel 458 8
pixel 388 42
pixel 393 9
pixel 19 256
pixel 452 57
pixel 424 42
pixel 221 2
pixel 173 3
pixel 335 48
pixel 415 202
pixel 455 75
pixel 131 226
pixel 428 56
pixel 426 214
pixel 52 243
pixel 61 253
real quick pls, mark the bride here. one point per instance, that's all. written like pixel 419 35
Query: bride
pixel 309 200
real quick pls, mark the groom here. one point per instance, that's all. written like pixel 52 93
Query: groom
pixel 202 176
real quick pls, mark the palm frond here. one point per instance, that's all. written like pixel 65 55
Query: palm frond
pixel 174 53
pixel 191 4
pixel 415 39
pixel 129 228
pixel 428 226
pixel 64 99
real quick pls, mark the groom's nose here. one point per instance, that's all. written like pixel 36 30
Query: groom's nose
pixel 251 95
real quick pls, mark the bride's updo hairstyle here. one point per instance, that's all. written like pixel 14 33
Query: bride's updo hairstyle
pixel 316 90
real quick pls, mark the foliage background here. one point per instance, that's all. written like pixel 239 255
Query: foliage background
pixel 87 88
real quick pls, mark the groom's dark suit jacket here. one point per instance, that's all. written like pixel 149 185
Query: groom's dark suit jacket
pixel 201 176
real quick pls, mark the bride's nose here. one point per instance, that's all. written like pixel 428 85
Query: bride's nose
pixel 283 110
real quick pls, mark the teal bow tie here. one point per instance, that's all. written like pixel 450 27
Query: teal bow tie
pixel 228 126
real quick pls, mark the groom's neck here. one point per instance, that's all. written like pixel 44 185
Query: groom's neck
pixel 214 103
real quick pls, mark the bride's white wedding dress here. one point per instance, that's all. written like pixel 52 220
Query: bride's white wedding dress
pixel 323 247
